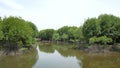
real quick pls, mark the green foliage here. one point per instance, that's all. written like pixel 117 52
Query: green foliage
pixel 63 30
pixel 110 26
pixel 65 33
pixel 72 32
pixel 93 40
pixel 56 36
pixel 34 29
pixel 102 30
pixel 105 40
pixel 1 32
pixel 80 33
pixel 17 31
pixel 100 40
pixel 103 26
pixel 75 34
pixel 91 28
pixel 64 37
pixel 46 34
pixel 42 35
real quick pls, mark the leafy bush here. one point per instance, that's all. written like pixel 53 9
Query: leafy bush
pixel 100 40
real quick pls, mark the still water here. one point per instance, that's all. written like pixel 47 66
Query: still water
pixel 55 60
pixel 60 56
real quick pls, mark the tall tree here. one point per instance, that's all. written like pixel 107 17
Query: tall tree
pixel 110 26
pixel 63 30
pixel 34 28
pixel 16 31
pixel 105 26
pixel 46 34
pixel 56 36
pixel 1 32
pixel 91 28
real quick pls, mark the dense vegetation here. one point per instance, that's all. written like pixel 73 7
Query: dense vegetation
pixel 69 34
pixel 102 30
pixel 15 33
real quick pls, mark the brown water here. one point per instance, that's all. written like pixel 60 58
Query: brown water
pixel 60 56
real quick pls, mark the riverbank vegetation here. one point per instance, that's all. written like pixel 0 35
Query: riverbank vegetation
pixel 16 33
pixel 101 31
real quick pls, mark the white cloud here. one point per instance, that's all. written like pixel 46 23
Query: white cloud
pixel 11 4
pixel 57 13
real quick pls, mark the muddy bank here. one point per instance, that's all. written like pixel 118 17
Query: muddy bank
pixel 19 51
pixel 93 49
pixel 98 49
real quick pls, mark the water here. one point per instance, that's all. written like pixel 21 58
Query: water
pixel 19 61
pixel 60 56
pixel 55 60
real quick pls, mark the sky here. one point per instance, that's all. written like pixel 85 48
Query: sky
pixel 47 14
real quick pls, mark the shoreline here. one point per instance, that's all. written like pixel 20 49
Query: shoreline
pixel 20 51
pixel 93 49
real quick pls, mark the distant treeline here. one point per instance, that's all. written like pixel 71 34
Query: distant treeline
pixel 105 29
pixel 15 33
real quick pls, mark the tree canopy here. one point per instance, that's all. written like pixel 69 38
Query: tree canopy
pixel 65 33
pixel 46 34
pixel 105 29
pixel 15 31
pixel 105 26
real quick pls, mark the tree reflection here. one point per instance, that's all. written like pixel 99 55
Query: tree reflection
pixel 19 61
pixel 46 48
pixel 85 59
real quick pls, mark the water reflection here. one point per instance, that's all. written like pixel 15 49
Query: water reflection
pixel 19 61
pixel 54 59
pixel 60 56
pixel 46 48
pixel 63 56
